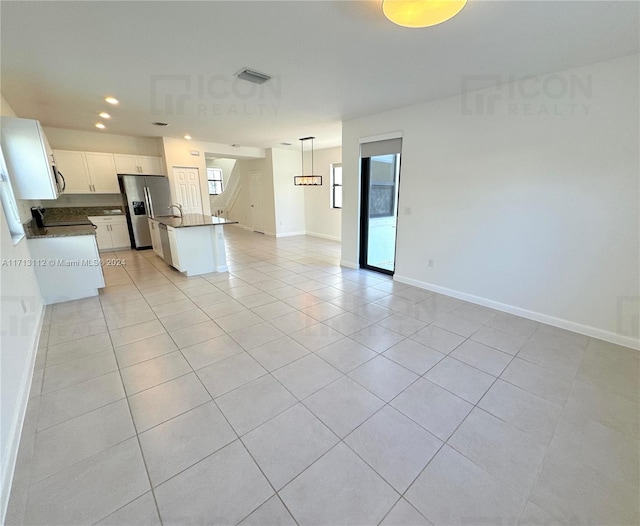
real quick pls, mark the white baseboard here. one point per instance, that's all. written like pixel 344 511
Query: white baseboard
pixel 15 433
pixel 290 234
pixel 348 264
pixel 587 330
pixel 324 236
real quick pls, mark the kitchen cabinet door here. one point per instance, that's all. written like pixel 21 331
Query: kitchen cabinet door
pixel 126 164
pixel 112 232
pixel 102 172
pixel 150 165
pixel 156 243
pixel 28 158
pixel 103 236
pixel 175 248
pixel 73 167
pixel 120 235
pixel 60 283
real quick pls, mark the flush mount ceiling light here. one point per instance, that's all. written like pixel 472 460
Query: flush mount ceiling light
pixel 105 115
pixel 421 13
pixel 111 100
pixel 311 179
pixel 100 125
pixel 253 76
pixel 188 137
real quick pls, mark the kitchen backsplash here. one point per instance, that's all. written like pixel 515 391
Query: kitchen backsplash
pixel 82 200
pixel 74 213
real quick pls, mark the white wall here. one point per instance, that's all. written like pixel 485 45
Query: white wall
pixel 528 212
pixel 71 200
pixel 320 219
pixel 180 152
pixel 21 311
pixel 289 202
pixel 241 209
pixel 283 203
pixel 63 139
pixel 226 165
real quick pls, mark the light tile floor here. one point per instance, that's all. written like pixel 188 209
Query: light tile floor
pixel 291 390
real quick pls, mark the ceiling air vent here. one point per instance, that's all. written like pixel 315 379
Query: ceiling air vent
pixel 160 123
pixel 253 76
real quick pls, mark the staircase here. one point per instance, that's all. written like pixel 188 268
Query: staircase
pixel 221 204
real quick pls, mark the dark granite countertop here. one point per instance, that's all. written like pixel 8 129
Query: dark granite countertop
pixel 34 232
pixel 189 220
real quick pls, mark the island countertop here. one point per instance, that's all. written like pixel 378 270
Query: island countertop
pixel 189 220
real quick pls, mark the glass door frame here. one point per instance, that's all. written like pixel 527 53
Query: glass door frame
pixel 365 187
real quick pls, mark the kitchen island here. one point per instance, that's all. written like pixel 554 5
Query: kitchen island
pixel 192 244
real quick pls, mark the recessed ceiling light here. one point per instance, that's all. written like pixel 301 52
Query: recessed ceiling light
pixel 105 115
pixel 111 100
pixel 100 125
pixel 235 145
pixel 188 137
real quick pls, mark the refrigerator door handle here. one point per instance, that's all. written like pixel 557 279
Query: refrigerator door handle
pixel 147 195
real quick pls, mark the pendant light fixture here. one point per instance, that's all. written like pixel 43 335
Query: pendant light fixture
pixel 311 179
pixel 421 13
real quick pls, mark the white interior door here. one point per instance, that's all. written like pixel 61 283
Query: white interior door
pixel 187 185
pixel 257 202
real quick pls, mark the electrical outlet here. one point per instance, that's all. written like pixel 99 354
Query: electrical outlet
pixel 430 262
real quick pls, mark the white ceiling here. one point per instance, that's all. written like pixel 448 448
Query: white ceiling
pixel 332 60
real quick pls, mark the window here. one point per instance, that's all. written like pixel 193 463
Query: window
pixel 9 205
pixel 214 179
pixel 336 185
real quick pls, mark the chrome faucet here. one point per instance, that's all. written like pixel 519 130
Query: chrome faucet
pixel 178 206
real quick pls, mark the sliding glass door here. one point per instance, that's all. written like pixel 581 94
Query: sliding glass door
pixel 379 214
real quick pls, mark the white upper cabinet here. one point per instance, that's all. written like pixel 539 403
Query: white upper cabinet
pixel 74 168
pixel 138 164
pixel 126 164
pixel 88 172
pixel 102 172
pixel 150 165
pixel 29 159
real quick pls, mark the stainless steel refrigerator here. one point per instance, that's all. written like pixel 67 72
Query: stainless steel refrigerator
pixel 144 196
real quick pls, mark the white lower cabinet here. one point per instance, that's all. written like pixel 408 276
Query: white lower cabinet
pixel 70 268
pixel 175 248
pixel 111 232
pixel 198 250
pixel 156 242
